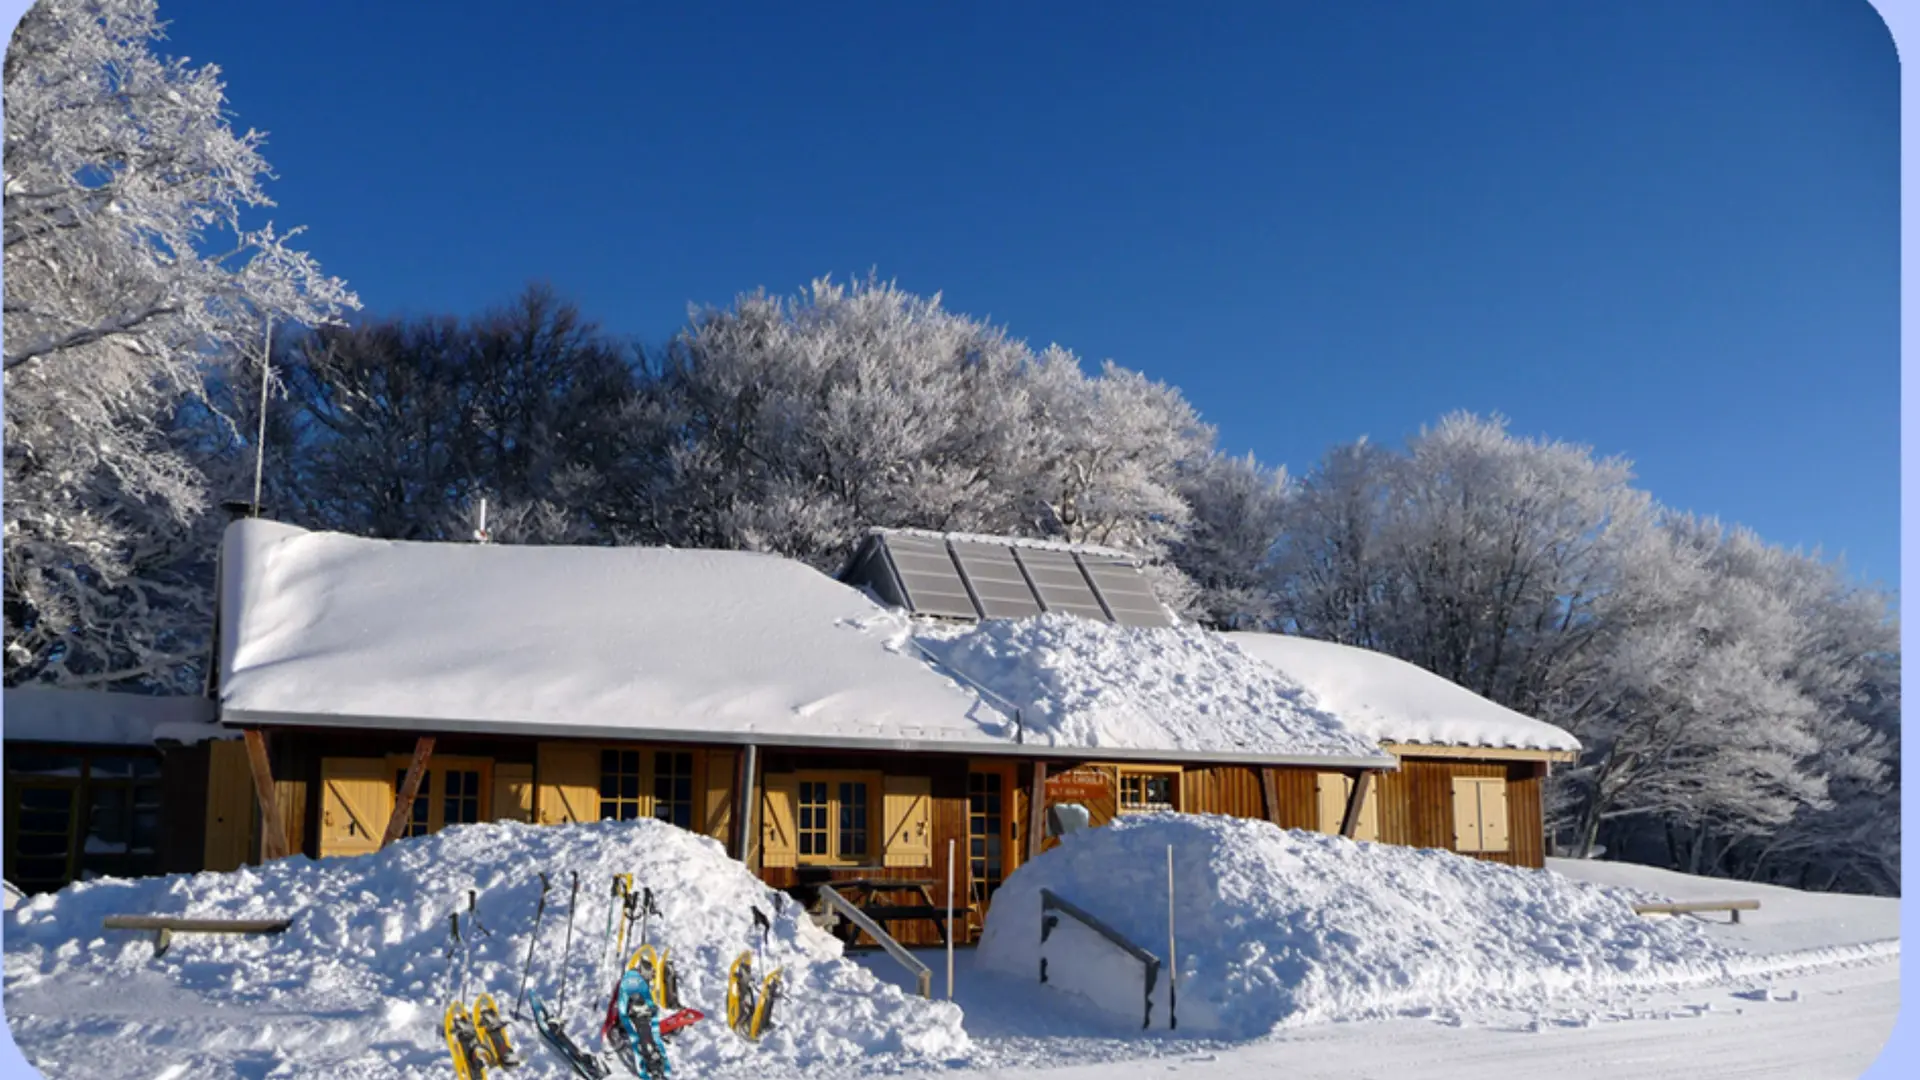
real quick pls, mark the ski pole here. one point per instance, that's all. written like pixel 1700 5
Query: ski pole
pixel 453 940
pixel 473 912
pixel 760 923
pixel 566 951
pixel 646 909
pixel 538 910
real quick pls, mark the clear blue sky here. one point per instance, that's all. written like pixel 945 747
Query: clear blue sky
pixel 1665 230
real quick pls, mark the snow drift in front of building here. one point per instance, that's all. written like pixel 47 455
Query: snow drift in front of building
pixel 364 962
pixel 1279 927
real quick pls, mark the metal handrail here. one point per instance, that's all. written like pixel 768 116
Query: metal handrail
pixel 920 972
pixel 1052 902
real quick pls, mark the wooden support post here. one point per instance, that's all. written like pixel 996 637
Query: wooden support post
pixel 1350 823
pixel 1270 788
pixel 410 787
pixel 746 792
pixel 1037 811
pixel 273 833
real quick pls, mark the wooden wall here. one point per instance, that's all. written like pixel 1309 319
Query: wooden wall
pixel 1416 806
pixel 948 821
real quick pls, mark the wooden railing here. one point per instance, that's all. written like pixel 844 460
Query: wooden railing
pixel 923 977
pixel 1050 903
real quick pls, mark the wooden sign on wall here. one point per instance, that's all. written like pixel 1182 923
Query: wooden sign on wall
pixel 1080 785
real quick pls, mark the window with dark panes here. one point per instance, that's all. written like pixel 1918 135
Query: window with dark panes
pixel 853 820
pixel 673 787
pixel 75 815
pixel 462 800
pixel 814 819
pixel 419 821
pixel 619 785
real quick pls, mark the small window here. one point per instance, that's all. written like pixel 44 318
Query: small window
pixel 673 787
pixel 1141 790
pixel 419 818
pixel 619 785
pixel 833 817
pixel 462 801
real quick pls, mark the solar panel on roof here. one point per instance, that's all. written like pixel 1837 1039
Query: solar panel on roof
pixel 1126 590
pixel 996 580
pixel 931 581
pixel 1060 583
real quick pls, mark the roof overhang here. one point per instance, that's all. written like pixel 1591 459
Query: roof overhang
pixel 1476 753
pixel 396 725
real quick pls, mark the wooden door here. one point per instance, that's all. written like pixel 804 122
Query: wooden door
pixel 453 791
pixel 993 848
pixel 230 806
pixel 356 799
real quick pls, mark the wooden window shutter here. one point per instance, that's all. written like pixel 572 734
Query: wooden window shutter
pixel 569 784
pixel 1493 815
pixel 778 794
pixel 512 791
pixel 1332 790
pixel 907 810
pixel 716 819
pixel 1466 814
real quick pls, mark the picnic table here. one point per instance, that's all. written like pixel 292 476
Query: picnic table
pixel 888 900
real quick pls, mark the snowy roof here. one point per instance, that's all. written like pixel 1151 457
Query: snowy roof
pixel 1085 683
pixel 597 642
pixel 1393 701
pixel 972 577
pixel 55 714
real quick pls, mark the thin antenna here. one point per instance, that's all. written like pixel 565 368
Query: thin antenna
pixel 480 534
pixel 260 441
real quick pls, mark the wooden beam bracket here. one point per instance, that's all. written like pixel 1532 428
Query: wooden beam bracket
pixel 1350 821
pixel 273 833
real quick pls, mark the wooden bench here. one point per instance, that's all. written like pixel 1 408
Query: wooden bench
pixel 165 926
pixel 1691 907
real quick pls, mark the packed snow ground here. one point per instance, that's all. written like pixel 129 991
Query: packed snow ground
pixel 1286 927
pixel 355 989
pixel 1078 682
pixel 360 980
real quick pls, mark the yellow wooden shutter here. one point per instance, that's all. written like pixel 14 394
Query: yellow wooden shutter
pixel 1493 815
pixel 779 791
pixel 1466 814
pixel 356 798
pixel 1331 789
pixel 717 818
pixel 512 791
pixel 569 784
pixel 230 806
pixel 906 812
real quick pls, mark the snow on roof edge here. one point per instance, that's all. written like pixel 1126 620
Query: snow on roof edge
pixel 401 725
pixel 1009 541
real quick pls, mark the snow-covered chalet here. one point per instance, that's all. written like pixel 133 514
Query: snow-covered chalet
pixel 824 730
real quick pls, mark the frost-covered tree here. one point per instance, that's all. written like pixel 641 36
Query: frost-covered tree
pixel 133 263
pixel 1328 579
pixel 1236 511
pixel 793 424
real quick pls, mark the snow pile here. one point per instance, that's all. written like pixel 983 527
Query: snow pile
pixel 1388 699
pixel 1082 683
pixel 361 977
pixel 1277 927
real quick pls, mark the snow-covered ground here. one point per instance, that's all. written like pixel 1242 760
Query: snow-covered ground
pixel 1807 986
